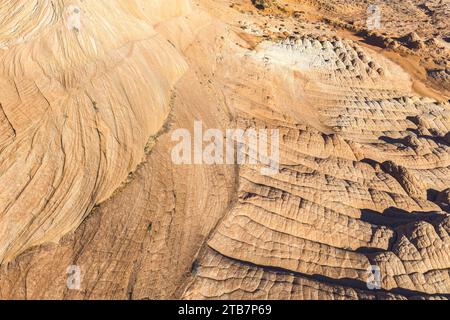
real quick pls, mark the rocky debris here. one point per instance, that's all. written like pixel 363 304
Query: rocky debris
pixel 413 41
pixel 400 24
pixel 262 4
pixel 432 42
pixel 442 75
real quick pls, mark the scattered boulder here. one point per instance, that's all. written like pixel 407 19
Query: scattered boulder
pixel 413 41
pixel 262 4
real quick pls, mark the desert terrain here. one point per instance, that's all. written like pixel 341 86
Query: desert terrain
pixel 92 91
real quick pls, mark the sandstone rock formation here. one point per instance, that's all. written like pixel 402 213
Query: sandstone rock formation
pixel 91 92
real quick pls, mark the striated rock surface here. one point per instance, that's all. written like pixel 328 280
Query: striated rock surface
pixel 90 94
pixel 76 121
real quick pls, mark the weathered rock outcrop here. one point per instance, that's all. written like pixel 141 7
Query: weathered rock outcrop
pixel 87 179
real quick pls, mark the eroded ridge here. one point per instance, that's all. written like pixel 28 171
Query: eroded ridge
pixel 358 195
